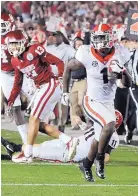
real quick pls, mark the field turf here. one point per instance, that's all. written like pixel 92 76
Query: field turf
pixel 47 179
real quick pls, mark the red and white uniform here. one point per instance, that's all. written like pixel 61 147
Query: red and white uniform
pixel 6 65
pixel 7 72
pixel 35 64
pixel 7 76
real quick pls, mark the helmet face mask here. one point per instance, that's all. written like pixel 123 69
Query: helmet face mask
pixel 7 23
pixel 101 41
pixel 16 42
pixel 16 48
pixel 5 27
pixel 101 37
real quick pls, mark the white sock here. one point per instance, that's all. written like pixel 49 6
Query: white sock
pixel 28 151
pixel 23 132
pixel 65 138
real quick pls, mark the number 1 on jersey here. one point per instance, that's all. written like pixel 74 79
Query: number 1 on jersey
pixel 105 75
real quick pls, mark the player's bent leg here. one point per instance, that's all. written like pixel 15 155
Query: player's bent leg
pixel 32 134
pixel 89 160
pixel 26 156
pixel 105 136
pixel 96 112
pixel 70 142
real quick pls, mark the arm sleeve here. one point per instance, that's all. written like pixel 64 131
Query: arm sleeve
pixel 51 59
pixel 18 80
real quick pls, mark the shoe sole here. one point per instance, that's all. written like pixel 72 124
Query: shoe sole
pixel 73 153
pixel 23 159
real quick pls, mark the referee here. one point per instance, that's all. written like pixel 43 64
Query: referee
pixel 131 114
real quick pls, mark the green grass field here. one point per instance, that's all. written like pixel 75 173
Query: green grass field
pixel 47 179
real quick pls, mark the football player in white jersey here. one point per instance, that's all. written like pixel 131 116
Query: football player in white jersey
pixel 103 66
pixel 56 151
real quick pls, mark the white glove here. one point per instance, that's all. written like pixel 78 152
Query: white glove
pixel 115 67
pixel 65 99
pixel 31 90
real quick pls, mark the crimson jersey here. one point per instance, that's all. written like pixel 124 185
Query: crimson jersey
pixel 5 57
pixel 34 63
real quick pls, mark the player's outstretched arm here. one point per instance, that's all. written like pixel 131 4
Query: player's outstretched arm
pixel 18 80
pixel 72 65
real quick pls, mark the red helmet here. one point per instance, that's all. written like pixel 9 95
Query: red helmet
pixel 79 34
pixel 16 42
pixel 7 23
pixel 119 119
pixel 118 31
pixel 102 36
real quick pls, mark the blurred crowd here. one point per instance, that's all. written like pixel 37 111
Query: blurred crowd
pixel 75 15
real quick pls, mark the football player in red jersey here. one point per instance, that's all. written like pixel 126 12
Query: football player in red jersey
pixel 7 74
pixel 34 62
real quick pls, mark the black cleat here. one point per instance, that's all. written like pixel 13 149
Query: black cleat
pixel 100 168
pixel 5 157
pixel 128 138
pixel 61 128
pixel 8 146
pixel 87 173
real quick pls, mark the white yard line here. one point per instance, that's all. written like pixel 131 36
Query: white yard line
pixel 125 145
pixel 39 163
pixel 74 185
pixel 52 164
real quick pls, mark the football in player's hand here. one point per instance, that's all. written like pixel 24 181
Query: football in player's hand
pixel 115 69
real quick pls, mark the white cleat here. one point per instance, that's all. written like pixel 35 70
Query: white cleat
pixel 20 158
pixel 72 147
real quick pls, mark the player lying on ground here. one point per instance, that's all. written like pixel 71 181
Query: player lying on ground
pixel 55 150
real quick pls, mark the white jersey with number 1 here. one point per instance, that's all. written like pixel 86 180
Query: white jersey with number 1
pixel 99 86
